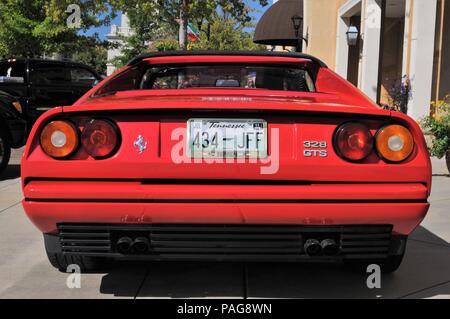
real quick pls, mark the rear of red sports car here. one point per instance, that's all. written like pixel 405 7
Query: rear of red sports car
pixel 225 156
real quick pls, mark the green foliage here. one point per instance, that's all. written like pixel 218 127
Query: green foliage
pixel 439 126
pixel 225 34
pixel 158 23
pixel 165 45
pixel 30 28
pixel 94 55
pixel 169 11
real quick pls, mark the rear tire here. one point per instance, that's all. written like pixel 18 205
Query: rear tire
pixel 5 151
pixel 86 264
pixel 391 264
pixel 388 265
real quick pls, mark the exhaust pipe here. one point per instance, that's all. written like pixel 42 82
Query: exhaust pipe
pixel 141 245
pixel 312 247
pixel 329 247
pixel 123 245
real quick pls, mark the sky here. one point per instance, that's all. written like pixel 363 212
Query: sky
pixel 256 14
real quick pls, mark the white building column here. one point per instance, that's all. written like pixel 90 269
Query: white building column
pixel 115 38
pixel 371 37
pixel 420 69
pixel 349 9
pixel 342 46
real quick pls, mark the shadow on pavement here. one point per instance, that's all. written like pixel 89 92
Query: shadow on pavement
pixel 426 266
pixel 11 172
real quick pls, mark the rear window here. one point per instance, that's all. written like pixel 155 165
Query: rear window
pixel 178 77
pixel 12 72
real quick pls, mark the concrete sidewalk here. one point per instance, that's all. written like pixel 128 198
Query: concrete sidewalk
pixel 26 273
pixel 439 167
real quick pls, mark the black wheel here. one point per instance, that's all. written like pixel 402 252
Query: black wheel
pixel 388 265
pixel 86 264
pixel 391 264
pixel 5 151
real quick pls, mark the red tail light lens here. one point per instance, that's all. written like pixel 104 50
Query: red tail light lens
pixel 353 141
pixel 100 138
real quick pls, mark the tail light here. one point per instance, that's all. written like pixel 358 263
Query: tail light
pixel 394 143
pixel 353 141
pixel 59 139
pixel 100 138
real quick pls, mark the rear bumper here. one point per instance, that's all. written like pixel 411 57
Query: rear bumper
pixel 49 203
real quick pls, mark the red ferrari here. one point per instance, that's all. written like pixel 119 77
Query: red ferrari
pixel 226 156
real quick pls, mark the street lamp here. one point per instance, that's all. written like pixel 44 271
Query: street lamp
pixel 352 35
pixel 297 22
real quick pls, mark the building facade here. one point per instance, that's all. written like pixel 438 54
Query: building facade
pixel 399 41
pixel 115 38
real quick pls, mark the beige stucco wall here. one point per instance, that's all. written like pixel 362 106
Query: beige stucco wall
pixel 406 47
pixel 441 72
pixel 320 26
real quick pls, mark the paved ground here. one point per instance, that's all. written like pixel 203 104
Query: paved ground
pixel 25 272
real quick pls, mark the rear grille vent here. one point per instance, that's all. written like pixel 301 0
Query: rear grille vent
pixel 359 243
pixel 250 242
pixel 237 240
pixel 87 239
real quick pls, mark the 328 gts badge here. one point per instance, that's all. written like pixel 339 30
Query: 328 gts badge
pixel 315 149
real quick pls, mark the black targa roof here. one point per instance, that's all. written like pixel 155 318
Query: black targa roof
pixel 231 53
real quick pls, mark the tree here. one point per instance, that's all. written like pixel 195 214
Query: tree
pixel 174 15
pixel 224 33
pixel 95 55
pixel 30 28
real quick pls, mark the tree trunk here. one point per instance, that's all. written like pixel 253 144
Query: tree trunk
pixel 447 159
pixel 208 32
pixel 183 24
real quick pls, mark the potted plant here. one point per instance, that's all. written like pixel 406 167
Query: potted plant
pixel 399 95
pixel 438 125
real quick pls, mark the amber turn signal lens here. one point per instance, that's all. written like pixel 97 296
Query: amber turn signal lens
pixel 59 139
pixel 18 107
pixel 394 143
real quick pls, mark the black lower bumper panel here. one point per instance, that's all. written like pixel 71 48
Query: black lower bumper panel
pixel 226 242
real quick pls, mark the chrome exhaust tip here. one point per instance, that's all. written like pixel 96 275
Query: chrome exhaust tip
pixel 312 247
pixel 123 245
pixel 141 245
pixel 329 247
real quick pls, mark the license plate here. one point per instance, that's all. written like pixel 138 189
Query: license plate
pixel 227 138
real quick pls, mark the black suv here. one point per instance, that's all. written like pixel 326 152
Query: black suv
pixel 29 87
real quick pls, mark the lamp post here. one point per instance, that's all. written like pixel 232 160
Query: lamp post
pixel 297 22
